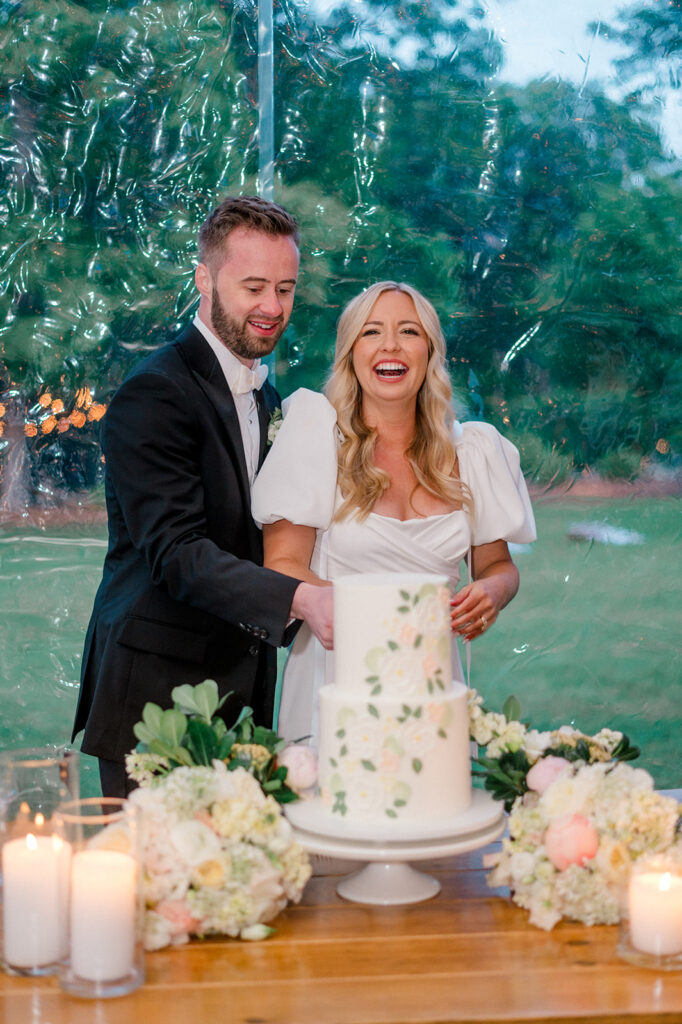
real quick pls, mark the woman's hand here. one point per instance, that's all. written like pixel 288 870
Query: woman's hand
pixel 496 580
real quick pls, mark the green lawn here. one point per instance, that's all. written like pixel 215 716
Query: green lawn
pixel 593 637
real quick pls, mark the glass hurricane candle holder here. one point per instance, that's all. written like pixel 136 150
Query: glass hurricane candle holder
pixel 33 858
pixel 105 904
pixel 651 925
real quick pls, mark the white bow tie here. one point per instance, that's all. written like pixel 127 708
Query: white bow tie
pixel 247 380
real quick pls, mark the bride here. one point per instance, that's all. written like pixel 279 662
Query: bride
pixel 378 477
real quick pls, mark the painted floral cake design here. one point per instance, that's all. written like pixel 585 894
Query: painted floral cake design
pixel 393 726
pixel 377 755
pixel 410 662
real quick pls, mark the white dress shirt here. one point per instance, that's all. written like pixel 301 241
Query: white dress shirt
pixel 245 402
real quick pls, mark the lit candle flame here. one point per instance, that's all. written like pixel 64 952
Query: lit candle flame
pixel 31 841
pixel 664 884
pixel 39 820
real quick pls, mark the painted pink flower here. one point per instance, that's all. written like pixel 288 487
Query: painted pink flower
pixel 301 765
pixel 390 762
pixel 570 839
pixel 408 634
pixel 544 772
pixel 178 915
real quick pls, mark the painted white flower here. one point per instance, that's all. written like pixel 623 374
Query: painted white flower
pixel 431 615
pixel 418 736
pixel 365 794
pixel 400 671
pixel 363 737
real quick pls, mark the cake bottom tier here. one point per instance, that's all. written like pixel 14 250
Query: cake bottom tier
pixel 386 759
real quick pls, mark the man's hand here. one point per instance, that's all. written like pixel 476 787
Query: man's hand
pixel 315 605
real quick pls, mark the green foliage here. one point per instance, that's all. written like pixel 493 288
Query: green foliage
pixel 191 733
pixel 542 221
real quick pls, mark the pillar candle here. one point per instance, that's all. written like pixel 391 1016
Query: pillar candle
pixel 103 914
pixel 35 872
pixel 655 905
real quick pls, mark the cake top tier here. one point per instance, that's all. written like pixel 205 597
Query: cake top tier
pixel 392 635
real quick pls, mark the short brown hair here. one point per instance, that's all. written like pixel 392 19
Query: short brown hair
pixel 243 212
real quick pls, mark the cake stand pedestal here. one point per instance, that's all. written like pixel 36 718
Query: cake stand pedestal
pixel 388 879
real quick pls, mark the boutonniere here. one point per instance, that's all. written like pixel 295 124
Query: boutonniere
pixel 274 424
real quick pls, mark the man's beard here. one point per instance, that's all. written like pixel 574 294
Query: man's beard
pixel 234 335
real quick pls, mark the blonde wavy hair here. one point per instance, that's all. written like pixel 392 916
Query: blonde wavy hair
pixel 431 453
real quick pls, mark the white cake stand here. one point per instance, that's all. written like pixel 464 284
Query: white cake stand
pixel 388 878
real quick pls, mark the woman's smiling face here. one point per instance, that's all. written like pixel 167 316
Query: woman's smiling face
pixel 391 352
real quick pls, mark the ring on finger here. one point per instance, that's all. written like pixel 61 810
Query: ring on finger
pixel 484 623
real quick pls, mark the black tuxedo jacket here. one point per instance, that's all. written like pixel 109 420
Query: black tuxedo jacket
pixel 183 595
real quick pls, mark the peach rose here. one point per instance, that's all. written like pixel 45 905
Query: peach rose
pixel 570 839
pixel 544 772
pixel 180 918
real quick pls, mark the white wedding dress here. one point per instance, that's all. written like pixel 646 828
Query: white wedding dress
pixel 298 482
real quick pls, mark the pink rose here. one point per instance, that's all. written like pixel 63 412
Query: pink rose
pixel 570 839
pixel 301 765
pixel 544 772
pixel 179 917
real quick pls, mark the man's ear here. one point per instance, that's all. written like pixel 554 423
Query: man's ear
pixel 203 280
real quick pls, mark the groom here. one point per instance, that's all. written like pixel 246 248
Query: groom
pixel 184 596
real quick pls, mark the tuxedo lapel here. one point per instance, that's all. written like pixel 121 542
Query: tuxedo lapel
pixel 206 370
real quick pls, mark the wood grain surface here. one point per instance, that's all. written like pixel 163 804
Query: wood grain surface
pixel 467 955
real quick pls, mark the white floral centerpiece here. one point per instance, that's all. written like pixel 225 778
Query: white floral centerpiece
pixel 218 854
pixel 580 815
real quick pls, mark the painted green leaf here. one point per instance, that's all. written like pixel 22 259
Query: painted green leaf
pixel 373 658
pixel 401 791
pixel 368 766
pixel 391 813
pixel 392 645
pixel 418 639
pixel 417 765
pixel 372 710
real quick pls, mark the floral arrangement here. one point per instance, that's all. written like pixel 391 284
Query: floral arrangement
pixel 580 815
pixel 218 855
pixel 191 733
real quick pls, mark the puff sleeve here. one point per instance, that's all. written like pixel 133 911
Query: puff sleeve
pixel 490 466
pixel 297 481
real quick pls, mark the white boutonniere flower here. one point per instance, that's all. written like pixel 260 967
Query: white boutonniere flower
pixel 274 424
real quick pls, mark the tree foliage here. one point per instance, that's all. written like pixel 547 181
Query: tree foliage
pixel 543 221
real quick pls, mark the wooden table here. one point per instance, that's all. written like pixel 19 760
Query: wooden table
pixel 467 955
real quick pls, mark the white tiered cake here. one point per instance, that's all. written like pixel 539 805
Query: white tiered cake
pixel 394 729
